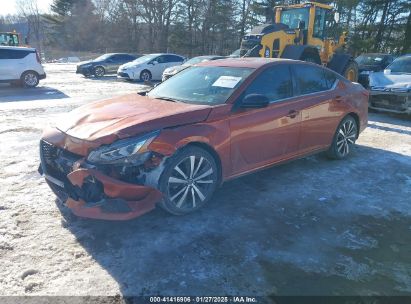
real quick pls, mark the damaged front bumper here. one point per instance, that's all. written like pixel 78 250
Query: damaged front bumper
pixel 393 101
pixel 89 192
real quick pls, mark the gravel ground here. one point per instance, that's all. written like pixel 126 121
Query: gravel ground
pixel 309 227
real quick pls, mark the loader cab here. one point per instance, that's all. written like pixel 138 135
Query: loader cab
pixel 9 39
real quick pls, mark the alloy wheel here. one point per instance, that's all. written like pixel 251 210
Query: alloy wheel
pixel 99 72
pixel 30 79
pixel 191 182
pixel 145 76
pixel 346 137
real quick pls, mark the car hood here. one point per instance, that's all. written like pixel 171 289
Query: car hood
pixel 85 62
pixel 128 116
pixel 130 65
pixel 399 81
pixel 177 68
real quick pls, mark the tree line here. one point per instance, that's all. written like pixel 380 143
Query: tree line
pixel 196 27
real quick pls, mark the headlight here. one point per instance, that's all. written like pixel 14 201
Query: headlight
pixel 365 73
pixel 87 65
pixel 122 151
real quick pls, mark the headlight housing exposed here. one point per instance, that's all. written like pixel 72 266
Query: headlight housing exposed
pixel 122 151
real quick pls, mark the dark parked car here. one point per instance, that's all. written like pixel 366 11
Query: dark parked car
pixel 390 90
pixel 105 64
pixel 171 71
pixel 372 62
pixel 116 159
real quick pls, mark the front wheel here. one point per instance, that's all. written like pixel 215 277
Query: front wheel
pixel 344 139
pixel 188 180
pixel 29 79
pixel 99 71
pixel 145 76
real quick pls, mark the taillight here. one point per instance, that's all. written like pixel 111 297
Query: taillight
pixel 38 57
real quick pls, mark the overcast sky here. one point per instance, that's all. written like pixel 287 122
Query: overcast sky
pixel 9 6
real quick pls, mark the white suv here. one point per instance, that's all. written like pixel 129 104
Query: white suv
pixel 20 65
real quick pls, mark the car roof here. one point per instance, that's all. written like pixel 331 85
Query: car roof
pixel 16 48
pixel 159 54
pixel 250 62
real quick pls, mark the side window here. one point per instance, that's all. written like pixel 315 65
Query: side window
pixel 269 83
pixel 13 54
pixel 330 78
pixel 160 59
pixel 319 23
pixel 174 58
pixel 310 79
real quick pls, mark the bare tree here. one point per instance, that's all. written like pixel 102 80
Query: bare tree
pixel 29 10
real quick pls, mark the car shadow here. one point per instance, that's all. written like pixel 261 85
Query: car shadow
pixel 390 118
pixel 311 226
pixel 11 93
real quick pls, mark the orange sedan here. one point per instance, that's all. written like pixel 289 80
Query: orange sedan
pixel 116 159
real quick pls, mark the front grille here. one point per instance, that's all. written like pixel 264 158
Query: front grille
pixel 121 74
pixel 48 151
pixel 56 161
pixel 389 101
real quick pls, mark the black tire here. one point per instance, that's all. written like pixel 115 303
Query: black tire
pixel 183 194
pixel 344 138
pixel 311 57
pixel 99 71
pixel 145 75
pixel 29 79
pixel 350 71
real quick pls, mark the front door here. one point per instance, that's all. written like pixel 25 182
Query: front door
pixel 260 137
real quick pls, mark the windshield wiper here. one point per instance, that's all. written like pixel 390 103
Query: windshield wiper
pixel 168 99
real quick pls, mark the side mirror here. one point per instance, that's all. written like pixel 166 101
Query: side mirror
pixel 154 62
pixel 301 25
pixel 254 101
pixel 387 71
pixel 337 17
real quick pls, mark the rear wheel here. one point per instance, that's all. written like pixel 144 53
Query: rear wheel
pixel 351 71
pixel 188 181
pixel 311 57
pixel 30 79
pixel 344 138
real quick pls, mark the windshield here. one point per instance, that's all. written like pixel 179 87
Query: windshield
pixel 202 85
pixel 369 59
pixel 401 65
pixel 144 59
pixel 196 60
pixel 103 57
pixel 292 17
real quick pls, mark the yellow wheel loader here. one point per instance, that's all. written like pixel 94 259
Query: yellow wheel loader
pixel 11 39
pixel 304 32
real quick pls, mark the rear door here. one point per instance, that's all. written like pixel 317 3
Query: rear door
pixel 12 63
pixel 263 136
pixel 321 101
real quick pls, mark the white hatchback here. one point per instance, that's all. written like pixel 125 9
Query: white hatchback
pixel 148 67
pixel 20 65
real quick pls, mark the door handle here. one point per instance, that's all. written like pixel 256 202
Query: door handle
pixel 338 98
pixel 292 114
